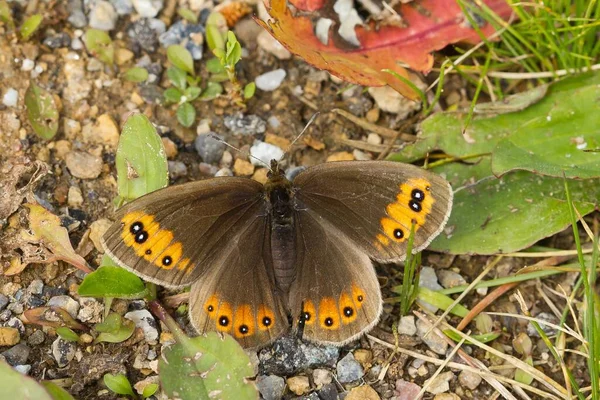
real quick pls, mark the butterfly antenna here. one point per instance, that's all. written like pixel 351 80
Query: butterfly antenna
pixel 310 121
pixel 245 153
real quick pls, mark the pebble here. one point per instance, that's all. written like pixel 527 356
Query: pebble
pixel 243 167
pixel 446 396
pixel 151 94
pixel 288 355
pixel 270 81
pixel 450 278
pixel 440 383
pixel 170 147
pixel 433 341
pixel 122 7
pixel 245 125
pixel 65 302
pixel 389 100
pixel 271 387
pixel 148 8
pixel 187 34
pixel 17 355
pixel 90 310
pixel 27 65
pixel 76 15
pixel 23 369
pixel 348 369
pixel 141 385
pixel 104 131
pixel 123 56
pixel 9 336
pixel 274 122
pixel 83 165
pixel 144 32
pixel 261 175
pixel 363 356
pixel 36 338
pixel 72 128
pixel 374 138
pixel 97 230
pixel 146 322
pixel 298 384
pixel 363 393
pixel 36 287
pixel 103 16
pixel 208 148
pixel 74 197
pixel 3 301
pixel 322 377
pixel 469 380
pixel 264 152
pixel 10 98
pixel 226 159
pixel 372 115
pixel 58 40
pixel 78 86
pixel 428 279
pixel 268 43
pixel 340 156
pixel 94 65
pixel 63 352
pixel 548 330
pixel 177 169
pixel 328 392
pixel 406 325
pixel 224 172
pixel 5 315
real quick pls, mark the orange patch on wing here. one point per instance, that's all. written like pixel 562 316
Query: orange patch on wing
pixel 211 305
pixel 136 216
pixel 174 251
pixel 183 264
pixel 329 316
pixel 391 227
pixel 347 309
pixel 156 244
pixel 244 321
pixel 310 310
pixel 224 317
pixel 358 296
pixel 265 314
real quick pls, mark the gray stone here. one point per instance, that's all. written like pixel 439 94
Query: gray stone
pixel 433 341
pixel 177 169
pixel 148 8
pixel 348 369
pixel 36 338
pixel 16 323
pixel 122 7
pixel 3 301
pixel 548 330
pixel 151 94
pixel 76 15
pixel 428 279
pixel 208 148
pixel 406 325
pixel 90 311
pixel 187 34
pixel 103 16
pixel 15 308
pixel 36 286
pixel 65 302
pixel 469 380
pixel 5 315
pixel 271 387
pixel 328 392
pixel 24 369
pixel 146 322
pixel 58 40
pixel 84 165
pixel 63 352
pixel 288 354
pixel 144 34
pixel 17 355
pixel 271 80
pixel 450 278
pixel 245 125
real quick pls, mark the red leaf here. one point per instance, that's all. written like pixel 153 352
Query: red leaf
pixel 428 25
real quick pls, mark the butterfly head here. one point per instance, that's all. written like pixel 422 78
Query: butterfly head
pixel 276 173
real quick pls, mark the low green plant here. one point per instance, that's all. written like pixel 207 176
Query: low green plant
pixel 119 384
pixel 100 45
pixel 183 92
pixel 30 25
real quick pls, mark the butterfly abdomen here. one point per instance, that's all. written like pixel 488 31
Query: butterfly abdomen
pixel 283 246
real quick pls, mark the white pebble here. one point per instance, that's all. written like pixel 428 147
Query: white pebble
pixel 11 97
pixel 271 80
pixel 265 152
pixel 27 65
pixel 148 8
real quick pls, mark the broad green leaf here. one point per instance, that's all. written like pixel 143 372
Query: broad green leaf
pixel 112 323
pixel 180 57
pixel 201 367
pixel 100 45
pixel 172 95
pixel 192 93
pixel 249 90
pixel 193 80
pixel 67 334
pixel 149 390
pixel 42 112
pixel 234 49
pixel 186 114
pixel 112 281
pixel 214 66
pixel 522 375
pixel 136 74
pixel 6 15
pixel 124 332
pixel 55 391
pixel 177 77
pixel 188 15
pixel 216 31
pixel 30 26
pixel 118 384
pixel 141 160
pixel 16 386
pixel 213 89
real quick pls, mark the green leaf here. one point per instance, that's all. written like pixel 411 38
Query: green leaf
pixel 177 77
pixel 172 95
pixel 188 15
pixel 41 111
pixel 220 77
pixel 141 160
pixel 213 89
pixel 149 390
pixel 249 90
pixel 180 57
pixel 67 334
pixel 193 81
pixel 234 49
pixel 186 114
pixel 192 93
pixel 214 66
pixel 124 332
pixel 220 54
pixel 483 338
pixel 216 31
pixel 16 386
pixel 111 281
pixel 56 392
pixel 111 324
pixel 136 74
pixel 197 368
pixel 100 45
pixel 523 376
pixel 118 384
pixel 6 15
pixel 31 25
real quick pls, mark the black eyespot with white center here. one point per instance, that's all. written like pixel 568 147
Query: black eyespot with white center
pixel 223 320
pixel 167 260
pixel 210 308
pixel 136 227
pixel 328 321
pixel 141 237
pixel 243 329
pixel 348 312
pixel 306 316
pixel 398 233
pixel 266 321
pixel 418 195
pixel 360 298
pixel 148 252
pixel 415 205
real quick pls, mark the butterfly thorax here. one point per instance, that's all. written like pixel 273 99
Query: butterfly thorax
pixel 279 195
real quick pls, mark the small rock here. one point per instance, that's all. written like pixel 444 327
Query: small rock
pixel 374 138
pixel 97 230
pixel 76 15
pixel 245 125
pixel 270 81
pixel 148 8
pixel 348 369
pixel 72 128
pixel 65 302
pixel 151 94
pixel 389 100
pixel 363 356
pixel 406 325
pixel 103 16
pixel 170 147
pixel 144 32
pixel 146 322
pixel 3 301
pixel 36 338
pixel 322 377
pixel 363 393
pixel 90 310
pixel 372 115
pixel 5 315
pixel 24 369
pixel 469 380
pixel 94 65
pixel 243 167
pixel 340 156
pixel 548 330
pixel 298 385
pixel 446 396
pixel 27 65
pixel 264 152
pixel 450 278
pixel 10 98
pixel 208 148
pixel 224 172
pixel 261 175
pixel 74 197
pixel 141 385
pixel 187 34
pixel 35 287
pixel 63 352
pixel 122 7
pixel 433 341
pixel 104 131
pixel 84 165
pixel 328 392
pixel 177 169
pixel 271 45
pixel 271 387
pixel 123 56
pixel 9 336
pixel 78 85
pixel 428 279
pixel 17 355
pixel 440 383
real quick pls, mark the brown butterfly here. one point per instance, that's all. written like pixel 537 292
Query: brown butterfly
pixel 257 254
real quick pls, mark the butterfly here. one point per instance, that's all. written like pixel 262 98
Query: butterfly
pixel 261 258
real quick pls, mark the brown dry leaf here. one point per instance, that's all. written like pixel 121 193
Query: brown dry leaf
pixel 16 181
pixel 52 316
